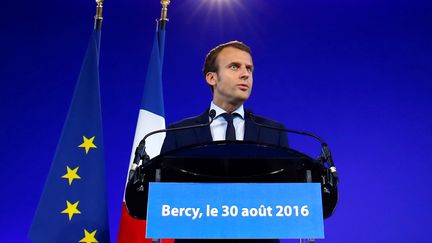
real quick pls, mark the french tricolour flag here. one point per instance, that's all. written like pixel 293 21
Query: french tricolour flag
pixel 150 118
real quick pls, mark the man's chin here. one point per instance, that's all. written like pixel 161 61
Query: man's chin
pixel 239 100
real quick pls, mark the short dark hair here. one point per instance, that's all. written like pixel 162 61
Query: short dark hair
pixel 210 60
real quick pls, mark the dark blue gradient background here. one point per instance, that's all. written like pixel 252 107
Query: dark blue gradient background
pixel 358 73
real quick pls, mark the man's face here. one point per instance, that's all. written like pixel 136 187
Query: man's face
pixel 232 84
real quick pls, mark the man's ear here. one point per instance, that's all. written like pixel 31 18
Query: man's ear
pixel 211 78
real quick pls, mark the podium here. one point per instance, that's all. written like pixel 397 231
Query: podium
pixel 230 162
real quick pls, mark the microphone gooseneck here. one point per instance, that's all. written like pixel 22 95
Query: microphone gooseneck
pixel 325 151
pixel 140 151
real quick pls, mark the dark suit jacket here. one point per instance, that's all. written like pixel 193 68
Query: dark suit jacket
pixel 253 132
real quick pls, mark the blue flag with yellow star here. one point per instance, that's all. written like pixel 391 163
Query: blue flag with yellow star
pixel 73 205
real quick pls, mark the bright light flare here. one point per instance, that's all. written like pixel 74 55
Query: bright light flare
pixel 223 8
pixel 222 16
pixel 221 4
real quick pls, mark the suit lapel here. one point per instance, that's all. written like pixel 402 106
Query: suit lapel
pixel 203 134
pixel 251 129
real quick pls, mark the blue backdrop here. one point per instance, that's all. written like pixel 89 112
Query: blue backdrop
pixel 358 73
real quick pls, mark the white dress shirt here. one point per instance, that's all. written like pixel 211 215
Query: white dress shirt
pixel 219 124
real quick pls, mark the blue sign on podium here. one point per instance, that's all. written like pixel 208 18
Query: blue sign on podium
pixel 235 211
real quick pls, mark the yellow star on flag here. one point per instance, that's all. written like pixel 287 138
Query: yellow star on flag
pixel 89 237
pixel 87 144
pixel 71 174
pixel 71 209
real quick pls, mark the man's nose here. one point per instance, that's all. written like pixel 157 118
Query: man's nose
pixel 244 73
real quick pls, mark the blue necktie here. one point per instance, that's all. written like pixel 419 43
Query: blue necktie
pixel 230 134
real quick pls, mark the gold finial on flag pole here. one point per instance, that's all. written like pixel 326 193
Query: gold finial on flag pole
pixel 164 11
pixel 98 17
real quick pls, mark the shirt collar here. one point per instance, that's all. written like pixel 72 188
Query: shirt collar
pixel 219 111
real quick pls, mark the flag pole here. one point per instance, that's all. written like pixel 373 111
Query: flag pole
pixel 150 118
pixel 98 17
pixel 164 17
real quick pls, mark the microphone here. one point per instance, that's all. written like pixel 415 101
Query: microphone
pixel 140 152
pixel 325 151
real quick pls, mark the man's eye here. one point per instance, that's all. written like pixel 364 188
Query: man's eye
pixel 234 67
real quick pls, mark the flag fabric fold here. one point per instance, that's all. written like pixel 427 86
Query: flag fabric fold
pixel 73 204
pixel 150 118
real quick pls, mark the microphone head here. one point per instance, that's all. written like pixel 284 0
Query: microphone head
pixel 212 113
pixel 252 116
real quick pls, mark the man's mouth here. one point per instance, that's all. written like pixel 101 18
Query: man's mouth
pixel 243 87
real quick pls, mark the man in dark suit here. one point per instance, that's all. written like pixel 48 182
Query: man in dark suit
pixel 228 70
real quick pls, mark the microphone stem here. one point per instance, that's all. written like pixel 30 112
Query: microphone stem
pixel 140 151
pixel 326 155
